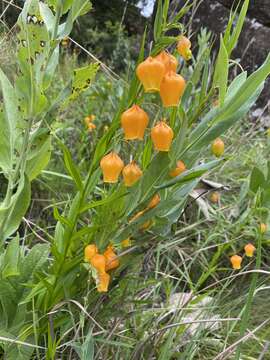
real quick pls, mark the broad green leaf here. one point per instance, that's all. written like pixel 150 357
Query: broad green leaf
pixel 33 52
pixel 11 216
pixel 221 72
pixel 82 79
pixel 9 118
pixel 34 261
pixel 48 16
pixel 11 259
pixel 39 156
pixel 79 8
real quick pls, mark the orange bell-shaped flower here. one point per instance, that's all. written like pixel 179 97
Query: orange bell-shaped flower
pixel 98 261
pixel 111 166
pixel 150 72
pixel 183 47
pixel 180 167
pixel 171 89
pixel 154 202
pixel 218 147
pixel 103 282
pixel 170 62
pixel 134 122
pixel 249 250
pixel 236 261
pixel 90 251
pixel 112 261
pixel 162 136
pixel 131 173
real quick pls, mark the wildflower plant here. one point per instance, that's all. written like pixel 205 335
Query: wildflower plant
pixel 155 141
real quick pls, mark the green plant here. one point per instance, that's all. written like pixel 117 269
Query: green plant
pixel 108 214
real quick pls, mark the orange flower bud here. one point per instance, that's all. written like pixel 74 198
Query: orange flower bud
pixel 98 261
pixel 171 89
pixel 126 243
pixel 180 167
pixel 131 173
pixel 111 166
pixel 183 48
pixel 112 261
pixel 170 62
pixel 218 147
pixel 154 202
pixel 249 250
pixel 103 282
pixel 134 122
pixel 150 72
pixel 215 197
pixel 162 136
pixel 263 228
pixel 90 251
pixel 236 261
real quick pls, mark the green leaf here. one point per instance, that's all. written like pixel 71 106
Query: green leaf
pixel 220 119
pixel 82 79
pixel 85 351
pixel 79 8
pixel 39 156
pixel 232 41
pixel 221 71
pixel 190 175
pixel 71 167
pixel 11 259
pixel 9 118
pixel 257 180
pixel 158 21
pixel 11 216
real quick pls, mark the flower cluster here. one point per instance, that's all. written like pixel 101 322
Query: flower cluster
pixel 101 263
pixel 236 260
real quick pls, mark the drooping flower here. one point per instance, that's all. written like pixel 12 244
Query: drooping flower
pixel 90 251
pixel 150 72
pixel 249 250
pixel 134 123
pixel 131 174
pixel 184 47
pixel 171 89
pixel 218 147
pixel 180 168
pixel 170 62
pixel 236 261
pixel 162 136
pixel 111 166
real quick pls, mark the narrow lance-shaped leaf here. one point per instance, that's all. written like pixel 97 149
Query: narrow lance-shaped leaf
pixel 221 72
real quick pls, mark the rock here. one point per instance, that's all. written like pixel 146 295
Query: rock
pixel 258 9
pixel 195 312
